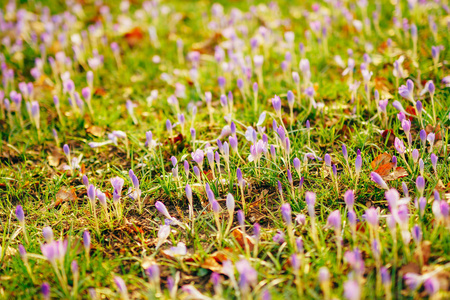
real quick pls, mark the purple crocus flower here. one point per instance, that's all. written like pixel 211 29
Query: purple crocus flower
pixel 86 240
pixel 286 213
pixel 198 157
pixel 416 233
pixel 378 180
pixel 413 280
pixel 334 220
pixel 406 91
pixel 431 286
pixel 310 202
pixel 372 216
pixel 352 290
pixel 47 232
pixel 162 209
pixel 399 146
pixel 20 214
pixel 279 237
pixel 358 163
pixel 276 102
pixel 349 198
pixel 420 184
pixel 121 287
pixel 45 290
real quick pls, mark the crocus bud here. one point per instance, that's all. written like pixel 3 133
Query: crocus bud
pixel 91 193
pixel 20 214
pixel 215 206
pixel 276 103
pixel 434 160
pixel 383 104
pixel 290 98
pixel 240 179
pixel 415 155
pixel 351 216
pixel 349 199
pixel 121 287
pixel 334 220
pixel 230 203
pixel 310 202
pixel 352 290
pixel 74 267
pixel 327 160
pixel 344 152
pixel 421 166
pixel 241 217
pixel 23 253
pixel 240 84
pixel 255 87
pixel 419 107
pixel 358 164
pixel 47 232
pixel 372 216
pixel 66 150
pixel 221 81
pixel 378 180
pixel 286 213
pixel 416 233
pixel 86 240
pixel 422 205
pixel 420 184
pixel 45 290
pixel 295 77
pixel 101 197
pixel 56 101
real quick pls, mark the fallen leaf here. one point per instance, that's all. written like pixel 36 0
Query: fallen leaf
pixel 100 92
pixel 95 131
pixel 54 158
pixel 399 172
pixel 211 264
pixel 63 195
pixel 384 169
pixel 409 268
pixel 381 159
pixel 134 37
pixel 237 234
pixel 221 256
pixel 389 133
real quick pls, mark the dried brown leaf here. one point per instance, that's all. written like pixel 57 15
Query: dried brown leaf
pixel 64 194
pixel 238 235
pixel 399 172
pixel 95 131
pixel 381 159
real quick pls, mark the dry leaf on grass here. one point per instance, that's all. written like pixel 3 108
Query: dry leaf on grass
pixel 54 158
pixel 399 172
pixel 381 159
pixel 95 131
pixel 237 234
pixel 64 194
pixel 134 37
pixel 385 169
pixel 211 264
pixel 383 166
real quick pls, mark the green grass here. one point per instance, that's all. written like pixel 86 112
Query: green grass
pixel 29 176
